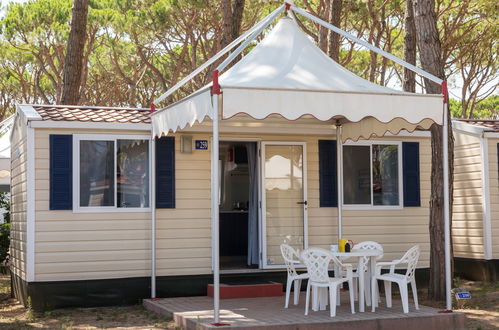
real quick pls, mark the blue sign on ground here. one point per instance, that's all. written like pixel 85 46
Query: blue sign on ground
pixel 463 295
pixel 201 144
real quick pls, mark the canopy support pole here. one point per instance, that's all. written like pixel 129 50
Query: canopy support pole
pixel 215 200
pixel 153 216
pixel 445 141
pixel 339 171
pixel 367 45
pixel 216 57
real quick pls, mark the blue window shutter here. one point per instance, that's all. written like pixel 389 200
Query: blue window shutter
pixel 328 173
pixel 165 172
pixel 410 168
pixel 61 172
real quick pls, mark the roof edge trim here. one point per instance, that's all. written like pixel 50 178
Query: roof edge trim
pixel 468 128
pixel 28 112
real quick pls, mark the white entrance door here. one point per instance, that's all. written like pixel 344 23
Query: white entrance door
pixel 284 199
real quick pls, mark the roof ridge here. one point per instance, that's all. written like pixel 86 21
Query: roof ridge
pixel 95 107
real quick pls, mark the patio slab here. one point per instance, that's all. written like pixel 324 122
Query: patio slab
pixel 269 313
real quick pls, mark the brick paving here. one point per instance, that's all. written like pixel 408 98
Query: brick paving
pixel 269 313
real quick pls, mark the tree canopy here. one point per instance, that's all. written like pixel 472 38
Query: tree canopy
pixel 136 49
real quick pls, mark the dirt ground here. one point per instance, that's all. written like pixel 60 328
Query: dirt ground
pixel 482 312
pixel 14 316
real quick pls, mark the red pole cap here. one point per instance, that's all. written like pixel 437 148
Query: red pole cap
pixel 445 91
pixel 287 6
pixel 215 89
pixel 153 107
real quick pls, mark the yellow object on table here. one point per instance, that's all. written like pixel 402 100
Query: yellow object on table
pixel 342 243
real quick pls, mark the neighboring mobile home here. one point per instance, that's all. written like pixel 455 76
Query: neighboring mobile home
pixel 81 200
pixel 475 225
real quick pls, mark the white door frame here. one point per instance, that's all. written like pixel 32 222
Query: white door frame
pixel 263 226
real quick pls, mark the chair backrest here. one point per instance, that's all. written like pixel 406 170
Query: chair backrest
pixel 291 258
pixel 317 261
pixel 411 258
pixel 367 245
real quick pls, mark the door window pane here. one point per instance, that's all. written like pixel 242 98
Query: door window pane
pixel 96 173
pixel 132 169
pixel 284 199
pixel 385 175
pixel 356 174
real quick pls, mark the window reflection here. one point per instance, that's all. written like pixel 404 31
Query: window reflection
pixel 385 175
pixel 96 173
pixel 133 173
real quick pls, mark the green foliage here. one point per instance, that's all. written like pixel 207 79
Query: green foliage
pixel 5 227
pixel 5 204
pixel 4 241
pixel 487 108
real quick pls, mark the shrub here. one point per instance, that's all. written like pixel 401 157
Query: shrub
pixel 4 241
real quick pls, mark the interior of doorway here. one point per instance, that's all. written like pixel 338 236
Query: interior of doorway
pixel 239 246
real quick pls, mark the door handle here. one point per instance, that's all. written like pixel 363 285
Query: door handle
pixel 303 203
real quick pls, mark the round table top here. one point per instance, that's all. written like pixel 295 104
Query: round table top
pixel 361 253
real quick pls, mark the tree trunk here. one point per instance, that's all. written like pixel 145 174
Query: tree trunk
pixel 409 47
pixel 334 38
pixel 73 63
pixel 237 17
pixel 431 60
pixel 232 15
pixel 227 22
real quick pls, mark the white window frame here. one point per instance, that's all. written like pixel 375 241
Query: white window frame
pixel 400 177
pixel 76 172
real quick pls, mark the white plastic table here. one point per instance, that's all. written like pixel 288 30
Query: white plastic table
pixel 371 254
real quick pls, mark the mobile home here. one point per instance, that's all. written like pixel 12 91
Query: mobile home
pixel 81 203
pixel 475 225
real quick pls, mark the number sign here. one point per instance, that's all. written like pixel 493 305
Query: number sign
pixel 201 144
pixel 463 295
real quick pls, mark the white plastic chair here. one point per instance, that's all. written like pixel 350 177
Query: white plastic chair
pixel 360 272
pixel 291 259
pixel 317 261
pixel 410 258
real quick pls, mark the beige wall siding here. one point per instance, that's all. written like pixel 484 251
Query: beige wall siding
pixel 494 195
pixel 18 199
pixel 184 233
pixel 109 245
pixel 467 216
pixel 85 245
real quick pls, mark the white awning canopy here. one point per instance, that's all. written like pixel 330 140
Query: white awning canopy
pixel 287 74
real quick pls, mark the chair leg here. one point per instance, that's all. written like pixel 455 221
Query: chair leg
pixel 373 294
pixel 297 291
pixel 315 298
pixel 352 300
pixel 356 288
pixel 288 291
pixel 388 293
pixel 414 293
pixel 307 298
pixel 377 294
pixel 333 289
pixel 367 294
pixel 362 292
pixel 404 296
pixel 323 298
